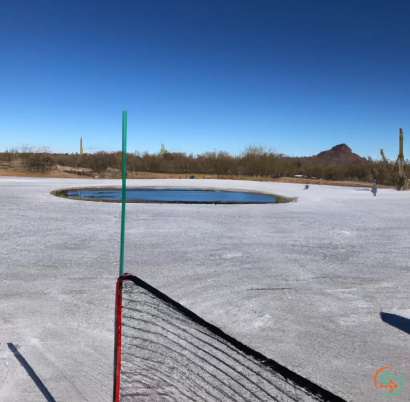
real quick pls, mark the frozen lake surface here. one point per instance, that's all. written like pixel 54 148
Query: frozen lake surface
pixel 175 196
pixel 304 283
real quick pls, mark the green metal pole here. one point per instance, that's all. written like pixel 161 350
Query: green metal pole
pixel 124 187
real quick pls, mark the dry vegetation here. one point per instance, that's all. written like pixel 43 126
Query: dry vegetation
pixel 255 163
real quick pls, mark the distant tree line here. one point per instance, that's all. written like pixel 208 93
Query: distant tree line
pixel 34 159
pixel 253 161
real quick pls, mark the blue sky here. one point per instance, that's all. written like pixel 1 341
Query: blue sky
pixel 297 76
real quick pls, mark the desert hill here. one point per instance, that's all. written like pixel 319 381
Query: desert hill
pixel 339 154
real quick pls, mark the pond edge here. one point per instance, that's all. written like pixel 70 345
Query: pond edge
pixel 63 193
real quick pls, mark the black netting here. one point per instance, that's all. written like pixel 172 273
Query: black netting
pixel 170 354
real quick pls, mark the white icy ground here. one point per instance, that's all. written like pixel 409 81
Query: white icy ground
pixel 302 283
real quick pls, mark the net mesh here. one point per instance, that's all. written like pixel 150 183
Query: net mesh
pixel 170 354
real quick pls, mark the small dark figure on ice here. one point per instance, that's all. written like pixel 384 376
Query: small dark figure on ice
pixel 374 188
pixel 306 187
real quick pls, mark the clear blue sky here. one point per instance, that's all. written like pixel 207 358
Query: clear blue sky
pixel 197 75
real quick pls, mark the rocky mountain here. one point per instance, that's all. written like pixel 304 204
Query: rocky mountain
pixel 339 154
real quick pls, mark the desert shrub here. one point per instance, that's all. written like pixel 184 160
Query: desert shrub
pixel 35 162
pixel 9 155
pixel 81 172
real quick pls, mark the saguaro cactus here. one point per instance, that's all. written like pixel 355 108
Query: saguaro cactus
pixel 403 183
pixel 400 158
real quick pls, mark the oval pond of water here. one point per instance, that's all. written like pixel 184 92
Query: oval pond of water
pixel 175 195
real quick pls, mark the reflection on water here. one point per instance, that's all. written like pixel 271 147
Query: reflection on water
pixel 175 195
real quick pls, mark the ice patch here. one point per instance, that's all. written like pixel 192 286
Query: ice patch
pixel 262 321
pixel 35 341
pixel 232 255
pixel 341 290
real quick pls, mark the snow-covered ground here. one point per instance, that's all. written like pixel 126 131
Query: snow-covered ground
pixel 303 283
